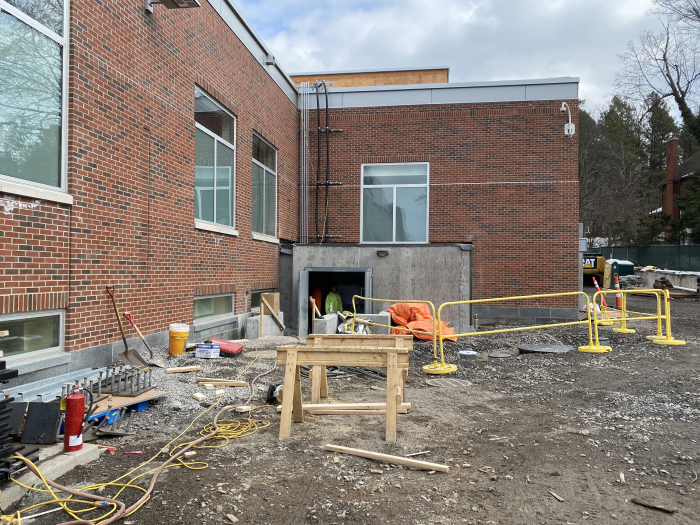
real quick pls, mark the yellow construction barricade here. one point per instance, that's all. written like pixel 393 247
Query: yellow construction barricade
pixel 592 346
pixel 625 318
pixel 435 367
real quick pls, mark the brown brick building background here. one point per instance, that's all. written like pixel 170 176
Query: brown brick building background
pixel 502 177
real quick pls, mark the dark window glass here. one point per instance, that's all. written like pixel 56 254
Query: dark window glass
pixel 46 12
pixel 213 117
pixel 264 153
pixel 30 103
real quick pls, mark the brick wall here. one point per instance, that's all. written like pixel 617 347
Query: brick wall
pixel 34 254
pixel 502 176
pixel 131 135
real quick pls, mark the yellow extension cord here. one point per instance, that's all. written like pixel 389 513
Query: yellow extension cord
pixel 228 429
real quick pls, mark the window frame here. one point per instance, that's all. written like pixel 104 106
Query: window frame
pixel 41 313
pixel 216 138
pixel 265 168
pixel 394 186
pixel 64 42
pixel 208 318
pixel 260 292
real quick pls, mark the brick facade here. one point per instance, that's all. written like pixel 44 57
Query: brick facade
pixel 131 134
pixel 502 176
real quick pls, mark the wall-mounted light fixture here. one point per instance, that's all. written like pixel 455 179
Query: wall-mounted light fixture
pixel 570 128
pixel 382 253
pixel 172 4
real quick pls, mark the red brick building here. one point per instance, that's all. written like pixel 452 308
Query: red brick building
pixel 677 177
pixel 159 152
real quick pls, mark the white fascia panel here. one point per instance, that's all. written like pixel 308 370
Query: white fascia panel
pixel 552 92
pixel 415 97
pixel 468 95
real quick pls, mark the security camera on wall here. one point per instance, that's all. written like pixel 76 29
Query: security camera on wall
pixel 569 127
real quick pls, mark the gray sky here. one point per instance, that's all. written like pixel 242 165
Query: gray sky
pixel 477 39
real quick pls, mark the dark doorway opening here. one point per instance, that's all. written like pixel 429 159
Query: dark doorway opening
pixel 347 283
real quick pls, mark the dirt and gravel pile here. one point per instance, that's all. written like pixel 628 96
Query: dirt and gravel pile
pixel 573 424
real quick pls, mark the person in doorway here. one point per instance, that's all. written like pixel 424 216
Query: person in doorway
pixel 333 302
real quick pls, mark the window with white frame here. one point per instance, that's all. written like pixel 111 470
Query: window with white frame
pixel 395 202
pixel 33 93
pixel 207 306
pixel 215 161
pixel 264 187
pixel 29 332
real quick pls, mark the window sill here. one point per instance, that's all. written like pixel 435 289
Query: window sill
pixel 216 228
pixel 35 192
pixel 265 238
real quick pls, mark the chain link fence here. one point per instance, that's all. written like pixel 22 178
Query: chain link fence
pixel 669 257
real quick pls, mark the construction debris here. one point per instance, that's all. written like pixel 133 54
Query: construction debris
pixel 654 506
pixel 182 369
pixel 421 465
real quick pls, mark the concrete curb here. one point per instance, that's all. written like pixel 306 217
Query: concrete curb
pixel 53 464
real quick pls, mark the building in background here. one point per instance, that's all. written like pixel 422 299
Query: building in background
pixel 677 180
pixel 160 152
pixel 377 77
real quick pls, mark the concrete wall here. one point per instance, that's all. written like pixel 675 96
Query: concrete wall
pixel 286 281
pixel 436 273
pixel 687 280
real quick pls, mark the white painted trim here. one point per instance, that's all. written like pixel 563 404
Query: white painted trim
pixel 216 228
pixel 265 238
pixel 35 192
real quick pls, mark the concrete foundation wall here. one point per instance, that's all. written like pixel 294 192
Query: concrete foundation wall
pixel 37 366
pixel 436 273
pixel 270 327
pixel 688 280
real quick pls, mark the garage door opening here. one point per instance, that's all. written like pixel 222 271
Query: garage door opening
pixel 318 282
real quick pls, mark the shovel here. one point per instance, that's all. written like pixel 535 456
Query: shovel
pixel 128 357
pixel 153 360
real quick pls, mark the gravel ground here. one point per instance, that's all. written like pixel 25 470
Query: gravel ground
pixel 523 428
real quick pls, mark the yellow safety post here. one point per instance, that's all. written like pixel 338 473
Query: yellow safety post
pixel 591 347
pixel 623 324
pixel 669 340
pixel 435 367
pixel 666 316
pixel 659 326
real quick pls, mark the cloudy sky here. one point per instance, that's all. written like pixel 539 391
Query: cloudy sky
pixel 477 39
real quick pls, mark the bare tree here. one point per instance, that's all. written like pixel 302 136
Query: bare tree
pixel 667 63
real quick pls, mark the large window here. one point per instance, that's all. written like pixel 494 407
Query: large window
pixel 215 156
pixel 32 90
pixel 30 332
pixel 264 187
pixel 213 306
pixel 395 202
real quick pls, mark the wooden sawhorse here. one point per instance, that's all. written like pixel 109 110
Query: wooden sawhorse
pixel 394 358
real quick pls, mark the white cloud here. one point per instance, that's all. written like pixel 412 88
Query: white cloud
pixel 477 39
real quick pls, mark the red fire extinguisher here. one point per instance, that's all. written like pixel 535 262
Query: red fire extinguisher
pixel 73 428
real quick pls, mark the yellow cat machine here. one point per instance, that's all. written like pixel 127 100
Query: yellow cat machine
pixel 593 266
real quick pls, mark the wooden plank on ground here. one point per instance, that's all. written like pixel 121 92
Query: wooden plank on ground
pixel 182 369
pixel 423 465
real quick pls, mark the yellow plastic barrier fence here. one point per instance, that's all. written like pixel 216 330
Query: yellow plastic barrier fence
pixel 659 338
pixel 592 346
pixel 435 367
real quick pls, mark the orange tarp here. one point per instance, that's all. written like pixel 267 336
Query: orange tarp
pixel 416 316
